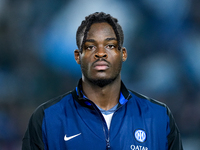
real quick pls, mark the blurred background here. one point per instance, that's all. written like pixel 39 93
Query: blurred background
pixel 37 40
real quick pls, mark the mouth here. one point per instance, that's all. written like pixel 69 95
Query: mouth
pixel 101 65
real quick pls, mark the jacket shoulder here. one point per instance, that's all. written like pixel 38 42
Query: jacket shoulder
pixel 33 136
pixel 151 100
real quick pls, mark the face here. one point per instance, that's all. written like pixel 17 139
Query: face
pixel 100 60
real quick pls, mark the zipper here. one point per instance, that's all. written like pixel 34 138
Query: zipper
pixel 103 121
pixel 108 140
pixel 107 144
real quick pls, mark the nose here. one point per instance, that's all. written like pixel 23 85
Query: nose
pixel 100 53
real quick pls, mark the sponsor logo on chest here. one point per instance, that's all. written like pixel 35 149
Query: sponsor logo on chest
pixel 138 147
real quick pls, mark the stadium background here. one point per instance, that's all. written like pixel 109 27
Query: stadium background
pixel 37 40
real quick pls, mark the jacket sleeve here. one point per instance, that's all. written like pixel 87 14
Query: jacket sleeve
pixel 33 138
pixel 174 137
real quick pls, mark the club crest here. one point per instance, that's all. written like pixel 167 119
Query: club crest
pixel 140 135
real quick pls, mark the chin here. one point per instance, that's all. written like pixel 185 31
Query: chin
pixel 102 81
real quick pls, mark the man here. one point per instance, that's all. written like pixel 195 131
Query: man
pixel 100 113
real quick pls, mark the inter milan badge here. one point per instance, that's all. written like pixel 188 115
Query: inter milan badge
pixel 140 135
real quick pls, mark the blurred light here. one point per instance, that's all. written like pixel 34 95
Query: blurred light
pixel 169 9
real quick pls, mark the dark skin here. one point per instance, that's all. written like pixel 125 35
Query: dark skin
pixel 101 59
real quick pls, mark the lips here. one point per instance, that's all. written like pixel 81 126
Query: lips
pixel 101 65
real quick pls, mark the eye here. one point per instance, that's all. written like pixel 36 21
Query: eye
pixel 90 47
pixel 110 46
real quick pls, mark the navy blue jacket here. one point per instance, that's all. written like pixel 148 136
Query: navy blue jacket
pixel 72 122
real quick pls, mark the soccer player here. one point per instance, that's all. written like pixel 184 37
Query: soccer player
pixel 101 113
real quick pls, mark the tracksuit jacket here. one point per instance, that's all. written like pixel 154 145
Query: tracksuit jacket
pixel 73 122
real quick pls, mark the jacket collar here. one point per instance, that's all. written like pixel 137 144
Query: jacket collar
pixel 80 98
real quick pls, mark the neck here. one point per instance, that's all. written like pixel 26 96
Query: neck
pixel 105 97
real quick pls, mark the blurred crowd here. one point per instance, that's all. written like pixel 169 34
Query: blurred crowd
pixel 37 40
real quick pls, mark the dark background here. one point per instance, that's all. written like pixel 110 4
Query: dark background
pixel 37 40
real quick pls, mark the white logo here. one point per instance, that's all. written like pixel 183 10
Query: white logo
pixel 140 135
pixel 70 137
pixel 138 147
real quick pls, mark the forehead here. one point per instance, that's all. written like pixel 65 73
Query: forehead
pixel 101 29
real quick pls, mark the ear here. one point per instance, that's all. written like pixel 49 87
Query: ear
pixel 76 56
pixel 124 54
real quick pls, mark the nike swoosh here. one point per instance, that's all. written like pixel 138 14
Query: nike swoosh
pixel 70 137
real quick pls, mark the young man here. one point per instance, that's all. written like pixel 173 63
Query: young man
pixel 100 113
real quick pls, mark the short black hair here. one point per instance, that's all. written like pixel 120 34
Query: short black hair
pixel 98 17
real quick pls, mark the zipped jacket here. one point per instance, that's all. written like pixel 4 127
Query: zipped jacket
pixel 73 122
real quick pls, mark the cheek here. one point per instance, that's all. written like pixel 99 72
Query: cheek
pixel 83 59
pixel 117 62
pixel 116 58
pixel 85 63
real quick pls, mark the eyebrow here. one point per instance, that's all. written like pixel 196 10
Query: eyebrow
pixel 107 39
pixel 89 40
pixel 110 39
